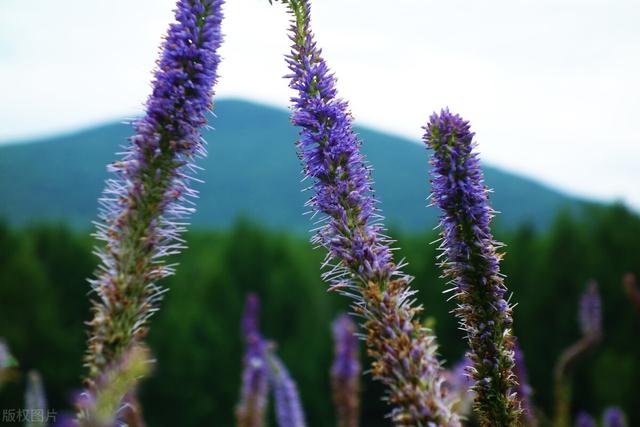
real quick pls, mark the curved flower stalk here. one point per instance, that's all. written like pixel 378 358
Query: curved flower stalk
pixel 145 205
pixel 471 261
pixel 590 320
pixel 359 257
pixel 345 372
pixel 614 417
pixel 35 401
pixel 106 403
pixel 632 290
pixel 289 411
pixel 585 420
pixel 251 410
pixel 528 417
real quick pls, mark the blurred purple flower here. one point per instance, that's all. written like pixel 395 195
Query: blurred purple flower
pixel 359 257
pixel 145 205
pixel 471 261
pixel 460 383
pixel 345 372
pixel 523 389
pixel 289 411
pixel 251 410
pixel 585 420
pixel 590 314
pixel 614 417
pixel 590 319
pixel 35 401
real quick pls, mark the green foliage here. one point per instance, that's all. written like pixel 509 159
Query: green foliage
pixel 196 338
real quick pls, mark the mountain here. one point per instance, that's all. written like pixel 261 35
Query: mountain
pixel 252 170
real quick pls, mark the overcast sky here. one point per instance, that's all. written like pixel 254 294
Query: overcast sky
pixel 552 87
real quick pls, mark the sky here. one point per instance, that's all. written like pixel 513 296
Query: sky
pixel 551 87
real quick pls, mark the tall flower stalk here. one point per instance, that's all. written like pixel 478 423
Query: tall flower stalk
pixel 251 410
pixel 345 372
pixel 359 257
pixel 528 416
pixel 145 204
pixel 471 260
pixel 35 401
pixel 590 320
pixel 289 412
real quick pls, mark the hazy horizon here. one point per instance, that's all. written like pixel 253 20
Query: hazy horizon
pixel 550 87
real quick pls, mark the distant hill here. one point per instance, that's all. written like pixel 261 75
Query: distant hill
pixel 252 170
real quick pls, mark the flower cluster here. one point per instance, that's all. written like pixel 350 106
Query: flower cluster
pixel 145 205
pixel 471 261
pixel 359 256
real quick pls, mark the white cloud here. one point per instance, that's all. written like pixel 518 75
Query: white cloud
pixel 550 86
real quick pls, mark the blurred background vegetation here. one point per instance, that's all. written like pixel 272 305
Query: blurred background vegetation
pixel 196 339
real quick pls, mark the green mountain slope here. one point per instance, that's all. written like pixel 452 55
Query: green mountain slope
pixel 252 170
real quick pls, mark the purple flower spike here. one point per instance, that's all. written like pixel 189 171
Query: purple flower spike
pixel 614 417
pixel 471 261
pixel 590 314
pixel 359 257
pixel 345 373
pixel 585 420
pixel 35 399
pixel 524 389
pixel 145 205
pixel 289 411
pixel 590 319
pixel 255 377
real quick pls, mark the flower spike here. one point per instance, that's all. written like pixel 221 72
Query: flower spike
pixel 289 411
pixel 590 320
pixel 471 261
pixel 146 203
pixel 251 410
pixel 359 257
pixel 345 372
